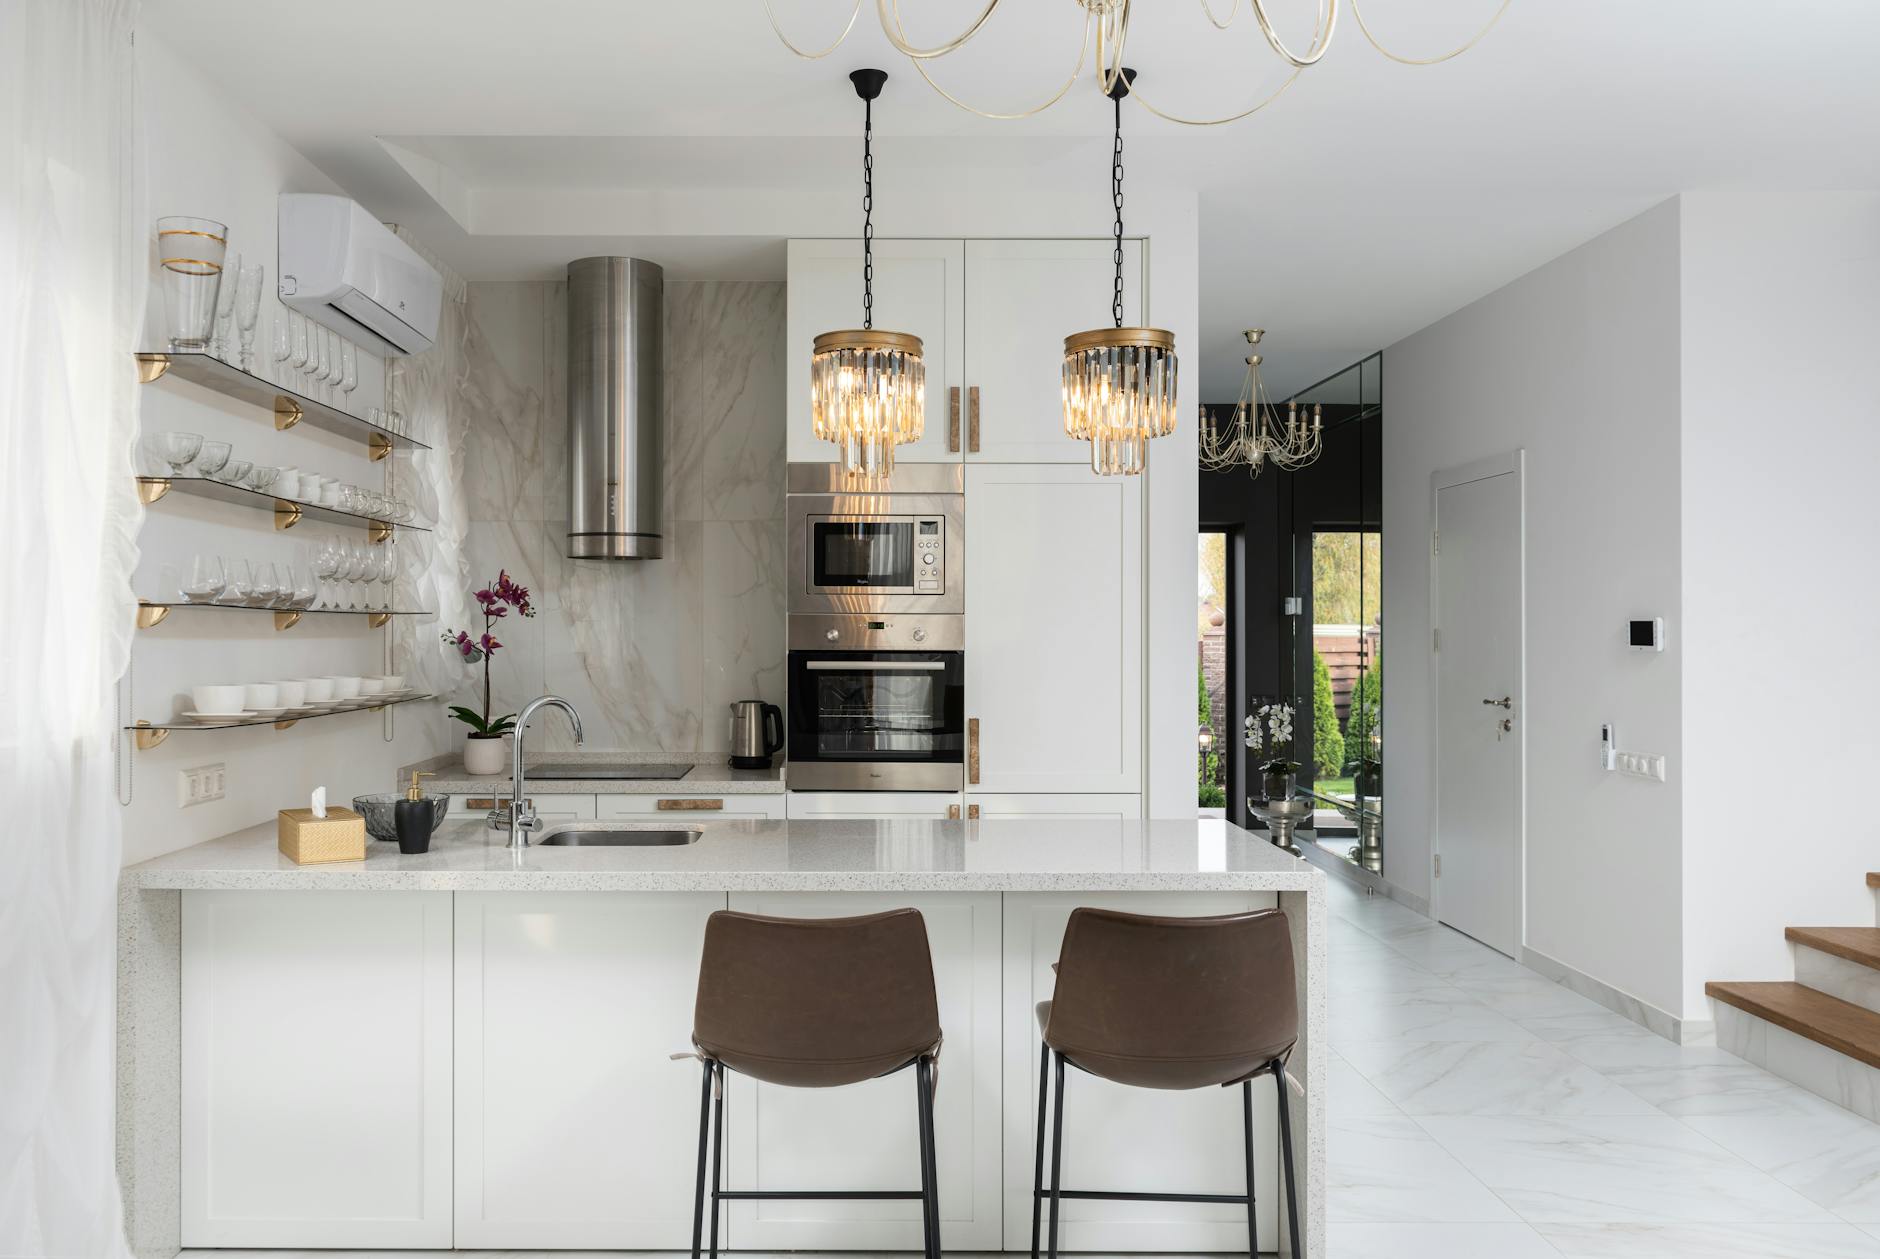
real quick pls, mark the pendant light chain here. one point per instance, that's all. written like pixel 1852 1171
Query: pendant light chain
pixel 1116 197
pixel 868 214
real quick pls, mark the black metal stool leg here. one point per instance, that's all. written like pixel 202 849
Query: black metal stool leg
pixel 929 1195
pixel 704 1133
pixel 1286 1158
pixel 718 1150
pixel 1246 1117
pixel 1037 1171
pixel 1057 1151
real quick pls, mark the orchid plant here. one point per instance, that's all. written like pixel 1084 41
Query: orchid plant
pixel 496 601
pixel 1270 731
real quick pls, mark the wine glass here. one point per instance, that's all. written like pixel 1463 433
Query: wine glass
pixel 388 570
pixel 205 581
pixel 348 367
pixel 264 586
pixel 325 562
pixel 305 588
pixel 297 358
pixel 241 580
pixel 224 309
pixel 280 329
pixel 248 309
pixel 322 356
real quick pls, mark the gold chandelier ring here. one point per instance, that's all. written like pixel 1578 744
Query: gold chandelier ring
pixel 890 9
pixel 1319 44
pixel 1357 15
pixel 865 339
pixel 813 56
pixel 1102 338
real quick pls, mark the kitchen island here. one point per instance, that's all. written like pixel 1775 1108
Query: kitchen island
pixel 470 1047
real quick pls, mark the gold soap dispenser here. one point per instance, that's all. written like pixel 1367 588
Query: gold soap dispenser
pixel 415 817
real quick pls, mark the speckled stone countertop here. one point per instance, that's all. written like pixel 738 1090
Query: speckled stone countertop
pixel 448 778
pixel 1014 855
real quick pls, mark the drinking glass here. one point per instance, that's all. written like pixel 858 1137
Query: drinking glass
pixel 265 585
pixel 248 309
pixel 297 324
pixel 205 580
pixel 211 458
pixel 178 449
pixel 225 311
pixel 240 580
pixel 191 251
pixel 235 471
pixel 388 570
pixel 262 477
pixel 325 563
pixel 281 332
pixel 300 579
pixel 320 356
pixel 348 366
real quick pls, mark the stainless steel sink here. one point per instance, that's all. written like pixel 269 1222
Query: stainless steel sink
pixel 590 836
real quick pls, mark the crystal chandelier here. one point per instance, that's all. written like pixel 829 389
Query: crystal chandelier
pixel 1119 383
pixel 1110 18
pixel 1255 437
pixel 868 388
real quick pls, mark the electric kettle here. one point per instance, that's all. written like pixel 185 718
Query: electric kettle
pixel 752 743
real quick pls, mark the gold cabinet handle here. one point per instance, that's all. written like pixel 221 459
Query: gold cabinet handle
pixel 972 750
pixel 953 812
pixel 953 419
pixel 972 419
pixel 689 806
pixel 972 812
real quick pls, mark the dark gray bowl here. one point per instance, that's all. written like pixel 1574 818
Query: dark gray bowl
pixel 377 811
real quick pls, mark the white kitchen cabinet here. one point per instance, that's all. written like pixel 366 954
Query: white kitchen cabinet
pixel 991 807
pixel 864 1136
pixel 574 1129
pixel 866 804
pixel 1023 297
pixel 1130 1139
pixel 919 289
pixel 683 807
pixel 550 808
pixel 1054 630
pixel 316 1069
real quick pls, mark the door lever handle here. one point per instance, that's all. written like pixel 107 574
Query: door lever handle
pixel 1506 701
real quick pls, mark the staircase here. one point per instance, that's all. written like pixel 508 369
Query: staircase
pixel 1822 1030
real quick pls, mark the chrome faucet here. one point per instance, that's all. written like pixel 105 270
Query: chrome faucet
pixel 520 816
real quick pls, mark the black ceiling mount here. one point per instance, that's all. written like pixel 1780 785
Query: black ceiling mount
pixel 1116 93
pixel 868 82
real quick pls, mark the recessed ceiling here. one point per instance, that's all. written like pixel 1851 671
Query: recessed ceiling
pixel 1370 199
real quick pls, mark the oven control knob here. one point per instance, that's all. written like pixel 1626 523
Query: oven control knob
pixel 832 635
pixel 919 635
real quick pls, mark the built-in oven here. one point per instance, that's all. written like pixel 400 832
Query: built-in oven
pixel 895 548
pixel 876 704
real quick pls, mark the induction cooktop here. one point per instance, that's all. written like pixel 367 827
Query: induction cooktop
pixel 607 770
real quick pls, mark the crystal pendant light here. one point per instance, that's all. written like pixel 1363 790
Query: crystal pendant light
pixel 1255 436
pixel 868 388
pixel 1119 383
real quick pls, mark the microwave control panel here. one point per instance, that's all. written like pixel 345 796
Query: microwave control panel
pixel 929 554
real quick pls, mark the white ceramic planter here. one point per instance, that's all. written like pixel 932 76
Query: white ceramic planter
pixel 483 757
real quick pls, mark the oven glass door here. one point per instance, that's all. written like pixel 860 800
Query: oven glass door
pixel 877 554
pixel 877 706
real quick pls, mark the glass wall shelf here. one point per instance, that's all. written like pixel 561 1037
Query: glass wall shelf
pixel 151 733
pixel 151 613
pixel 288 512
pixel 289 408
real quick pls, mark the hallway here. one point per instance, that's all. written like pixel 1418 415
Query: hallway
pixel 1480 1111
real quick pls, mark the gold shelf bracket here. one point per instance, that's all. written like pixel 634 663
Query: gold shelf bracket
pixel 286 620
pixel 379 530
pixel 150 367
pixel 151 488
pixel 378 445
pixel 287 412
pixel 147 738
pixel 377 620
pixel 150 615
pixel 285 725
pixel 286 514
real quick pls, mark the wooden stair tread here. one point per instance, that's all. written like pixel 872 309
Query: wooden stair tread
pixel 1840 1025
pixel 1855 944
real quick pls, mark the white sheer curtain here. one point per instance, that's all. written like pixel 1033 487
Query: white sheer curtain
pixel 73 262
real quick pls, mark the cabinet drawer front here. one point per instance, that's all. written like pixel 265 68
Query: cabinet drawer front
pixel 865 804
pixel 700 808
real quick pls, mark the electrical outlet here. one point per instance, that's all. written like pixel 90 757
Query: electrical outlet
pixel 201 784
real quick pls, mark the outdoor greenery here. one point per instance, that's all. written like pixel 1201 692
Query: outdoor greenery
pixel 1328 745
pixel 1212 795
pixel 1367 699
pixel 1346 582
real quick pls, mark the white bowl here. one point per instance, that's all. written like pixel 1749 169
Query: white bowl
pixel 261 695
pixel 319 690
pixel 371 686
pixel 217 699
pixel 344 687
pixel 290 694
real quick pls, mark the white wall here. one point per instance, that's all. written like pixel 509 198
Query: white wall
pixel 203 157
pixel 1577 364
pixel 1781 443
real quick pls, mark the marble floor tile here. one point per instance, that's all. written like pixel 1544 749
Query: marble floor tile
pixel 1437 1241
pixel 1597 1023
pixel 1645 1052
pixel 1616 1169
pixel 1527 1077
pixel 1831 1157
pixel 1709 1087
pixel 1528 996
pixel 1386 1169
pixel 1429 1011
pixel 1722 1241
pixel 1349 1094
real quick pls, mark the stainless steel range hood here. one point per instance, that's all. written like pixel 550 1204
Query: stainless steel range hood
pixel 616 388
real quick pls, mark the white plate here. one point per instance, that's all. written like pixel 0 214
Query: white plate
pixel 269 712
pixel 219 716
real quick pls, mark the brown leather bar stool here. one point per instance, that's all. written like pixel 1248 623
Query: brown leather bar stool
pixel 1170 1003
pixel 816 1003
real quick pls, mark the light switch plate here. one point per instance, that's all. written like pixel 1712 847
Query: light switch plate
pixel 201 784
pixel 1642 765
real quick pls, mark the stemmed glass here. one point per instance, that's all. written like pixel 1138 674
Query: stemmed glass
pixel 348 370
pixel 224 309
pixel 326 563
pixel 179 449
pixel 298 358
pixel 281 330
pixel 388 570
pixel 248 309
pixel 212 458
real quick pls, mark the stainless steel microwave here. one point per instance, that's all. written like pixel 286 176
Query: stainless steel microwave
pixel 899 548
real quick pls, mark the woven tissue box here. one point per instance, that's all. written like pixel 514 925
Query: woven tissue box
pixel 310 840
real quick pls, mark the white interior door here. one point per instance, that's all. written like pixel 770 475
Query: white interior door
pixel 1479 762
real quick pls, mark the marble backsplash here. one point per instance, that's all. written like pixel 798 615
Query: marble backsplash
pixel 651 652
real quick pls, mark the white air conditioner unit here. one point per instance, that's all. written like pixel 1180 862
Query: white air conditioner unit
pixel 341 267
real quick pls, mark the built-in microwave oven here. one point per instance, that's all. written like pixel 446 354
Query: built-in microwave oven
pixel 897 548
